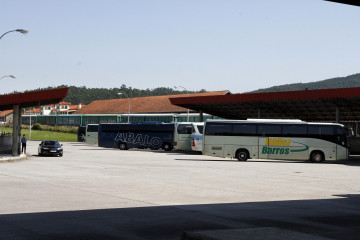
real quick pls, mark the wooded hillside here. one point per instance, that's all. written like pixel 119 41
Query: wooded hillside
pixel 340 82
pixel 86 95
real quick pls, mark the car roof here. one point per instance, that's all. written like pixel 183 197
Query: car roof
pixel 56 141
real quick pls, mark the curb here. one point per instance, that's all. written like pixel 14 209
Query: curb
pixel 8 158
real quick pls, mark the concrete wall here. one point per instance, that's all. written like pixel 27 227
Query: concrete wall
pixel 5 144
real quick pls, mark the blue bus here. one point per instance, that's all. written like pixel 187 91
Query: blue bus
pixel 136 135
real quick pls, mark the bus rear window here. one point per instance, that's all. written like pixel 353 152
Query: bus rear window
pixel 184 129
pixel 92 128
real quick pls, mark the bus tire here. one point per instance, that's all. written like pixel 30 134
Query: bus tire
pixel 122 146
pixel 242 154
pixel 167 147
pixel 317 157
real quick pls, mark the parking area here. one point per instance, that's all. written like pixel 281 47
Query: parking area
pixel 99 193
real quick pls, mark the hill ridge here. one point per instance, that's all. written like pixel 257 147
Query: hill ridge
pixel 338 82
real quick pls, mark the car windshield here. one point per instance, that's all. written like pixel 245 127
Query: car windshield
pixel 50 143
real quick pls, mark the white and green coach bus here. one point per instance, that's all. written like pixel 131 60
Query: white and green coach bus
pixel 275 139
pixel 182 136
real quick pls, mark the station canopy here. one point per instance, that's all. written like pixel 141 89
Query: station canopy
pixel 308 105
pixel 32 99
pixel 349 2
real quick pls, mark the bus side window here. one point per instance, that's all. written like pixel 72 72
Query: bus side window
pixel 295 130
pixel 322 132
pixel 244 130
pixel 270 130
pixel 218 129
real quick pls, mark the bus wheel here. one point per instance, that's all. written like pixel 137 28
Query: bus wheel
pixel 167 147
pixel 317 157
pixel 242 155
pixel 122 146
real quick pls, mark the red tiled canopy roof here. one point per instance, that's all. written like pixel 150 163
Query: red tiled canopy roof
pixel 32 99
pixel 308 105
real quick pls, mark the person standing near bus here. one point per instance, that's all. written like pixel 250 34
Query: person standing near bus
pixel 23 144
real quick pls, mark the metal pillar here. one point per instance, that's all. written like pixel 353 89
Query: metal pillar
pixel 338 114
pixel 16 130
pixel 259 113
pixel 201 116
pixel 19 131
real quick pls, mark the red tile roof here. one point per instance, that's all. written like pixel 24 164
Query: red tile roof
pixel 37 110
pixel 5 113
pixel 64 103
pixel 153 104
pixel 75 107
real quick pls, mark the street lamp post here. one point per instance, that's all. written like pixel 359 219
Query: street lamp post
pixel 128 105
pixel 16 111
pixel 30 126
pixel 23 31
pixel 188 95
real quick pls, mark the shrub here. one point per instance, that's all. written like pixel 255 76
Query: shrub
pixel 37 126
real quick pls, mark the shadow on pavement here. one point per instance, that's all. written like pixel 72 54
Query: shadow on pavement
pixel 337 218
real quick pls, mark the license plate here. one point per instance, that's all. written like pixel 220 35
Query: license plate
pixel 52 150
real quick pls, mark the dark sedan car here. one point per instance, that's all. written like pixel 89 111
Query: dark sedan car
pixel 50 147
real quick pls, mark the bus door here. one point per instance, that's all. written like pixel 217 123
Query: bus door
pixel 92 134
pixel 342 151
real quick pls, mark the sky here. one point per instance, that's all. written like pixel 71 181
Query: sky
pixel 236 45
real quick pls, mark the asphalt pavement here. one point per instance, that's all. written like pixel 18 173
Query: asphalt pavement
pixel 99 193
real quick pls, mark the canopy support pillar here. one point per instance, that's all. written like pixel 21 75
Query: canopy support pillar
pixel 16 130
pixel 338 114
pixel 201 116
